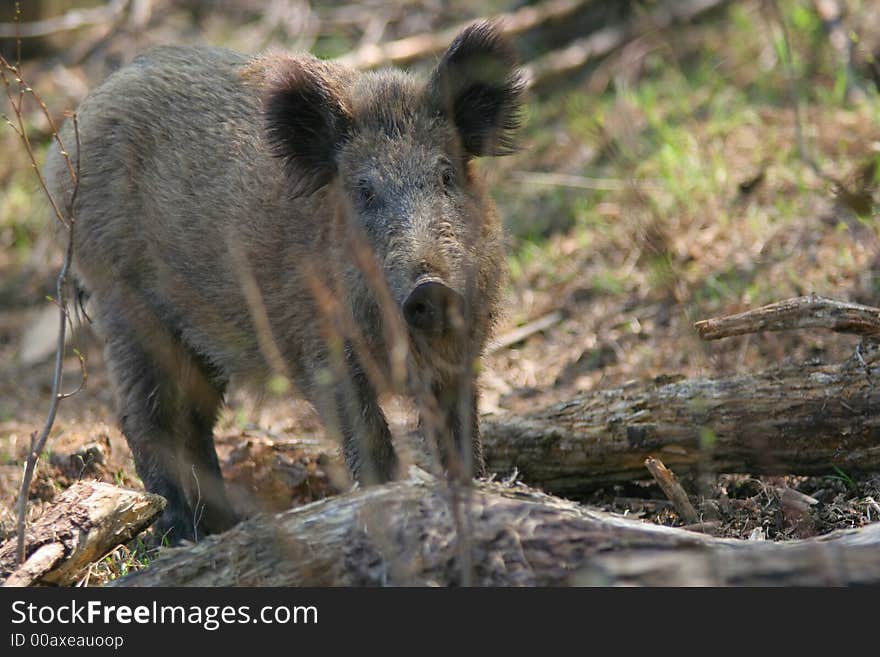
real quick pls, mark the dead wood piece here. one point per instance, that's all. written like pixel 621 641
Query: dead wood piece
pixel 673 490
pixel 796 313
pixel 419 46
pixel 404 534
pixel 525 331
pixel 39 563
pixel 86 521
pixel 788 420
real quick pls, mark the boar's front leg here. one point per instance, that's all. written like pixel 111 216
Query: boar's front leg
pixel 167 402
pixel 350 409
pixel 455 425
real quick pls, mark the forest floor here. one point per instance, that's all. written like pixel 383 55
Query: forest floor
pixel 662 186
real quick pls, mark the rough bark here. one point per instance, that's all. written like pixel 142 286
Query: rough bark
pixel 87 521
pixel 787 420
pixel 403 534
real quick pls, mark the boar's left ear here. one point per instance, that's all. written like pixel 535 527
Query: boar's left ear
pixel 478 86
pixel 307 119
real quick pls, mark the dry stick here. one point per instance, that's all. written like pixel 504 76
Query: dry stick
pixel 672 489
pixel 396 336
pixel 576 55
pixel 253 298
pixel 527 330
pixel 37 447
pixel 337 325
pixel 796 313
pixel 41 561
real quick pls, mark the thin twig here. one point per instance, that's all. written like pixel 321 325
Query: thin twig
pixel 39 444
pixel 84 375
pixel 21 130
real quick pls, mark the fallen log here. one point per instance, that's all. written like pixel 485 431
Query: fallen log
pixel 788 420
pixel 404 534
pixel 86 521
pixel 802 419
pixel 791 420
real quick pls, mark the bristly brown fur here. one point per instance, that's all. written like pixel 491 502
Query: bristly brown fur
pixel 307 117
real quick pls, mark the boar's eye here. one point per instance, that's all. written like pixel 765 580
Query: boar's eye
pixel 366 193
pixel 447 177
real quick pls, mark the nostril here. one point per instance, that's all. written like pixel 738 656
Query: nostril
pixel 432 307
pixel 419 309
pixel 420 313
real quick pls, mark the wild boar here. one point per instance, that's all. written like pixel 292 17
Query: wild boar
pixel 239 216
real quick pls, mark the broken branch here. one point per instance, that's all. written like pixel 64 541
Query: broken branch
pixel 796 313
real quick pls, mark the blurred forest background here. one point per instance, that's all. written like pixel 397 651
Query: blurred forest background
pixel 679 160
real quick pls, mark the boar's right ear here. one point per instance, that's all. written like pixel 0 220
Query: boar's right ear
pixel 306 121
pixel 478 86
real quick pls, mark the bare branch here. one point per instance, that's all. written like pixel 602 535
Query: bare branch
pixel 21 130
pixel 796 313
pixel 39 443
pixel 416 47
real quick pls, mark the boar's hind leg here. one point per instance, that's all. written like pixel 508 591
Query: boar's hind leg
pixel 167 405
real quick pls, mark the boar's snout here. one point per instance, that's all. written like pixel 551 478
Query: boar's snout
pixel 433 308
